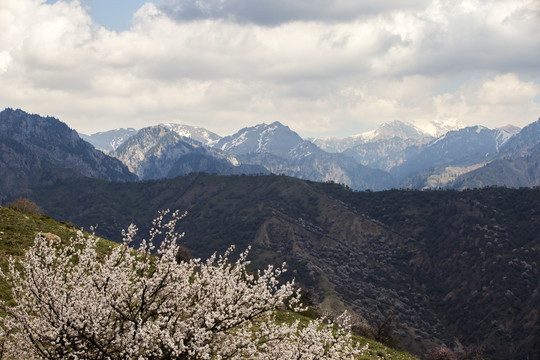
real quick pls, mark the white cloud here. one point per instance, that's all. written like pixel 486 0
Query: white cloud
pixel 496 101
pixel 321 76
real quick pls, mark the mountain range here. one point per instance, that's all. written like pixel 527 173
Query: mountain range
pixel 160 152
pixel 395 155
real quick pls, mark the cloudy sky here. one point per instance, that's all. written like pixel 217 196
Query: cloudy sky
pixel 322 67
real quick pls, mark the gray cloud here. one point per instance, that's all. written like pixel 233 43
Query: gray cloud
pixel 276 12
pixel 474 61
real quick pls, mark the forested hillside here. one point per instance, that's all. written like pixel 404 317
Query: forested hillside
pixel 459 268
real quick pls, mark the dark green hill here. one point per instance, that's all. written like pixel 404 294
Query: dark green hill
pixel 453 267
pixel 476 256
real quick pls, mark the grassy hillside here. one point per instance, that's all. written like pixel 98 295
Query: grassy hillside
pixel 17 233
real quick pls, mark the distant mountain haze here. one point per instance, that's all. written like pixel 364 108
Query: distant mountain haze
pixel 395 155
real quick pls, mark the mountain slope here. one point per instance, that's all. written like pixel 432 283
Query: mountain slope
pixel 33 146
pixel 17 233
pixel 466 146
pixel 505 133
pixel 517 164
pixel 522 171
pixel 108 141
pixel 275 139
pixel 451 267
pixel 328 248
pixel 158 152
pixel 282 151
pixel 453 154
pixel 476 257
pixel 199 134
pixel 523 142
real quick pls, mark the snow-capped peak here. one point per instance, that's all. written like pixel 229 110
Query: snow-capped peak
pixel 274 138
pixel 202 135
pixel 437 128
pixel 109 140
pixel 504 133
pixel 396 128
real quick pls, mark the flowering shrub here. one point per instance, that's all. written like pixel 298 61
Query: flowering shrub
pixel 69 304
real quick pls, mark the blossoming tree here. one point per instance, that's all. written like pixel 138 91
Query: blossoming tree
pixel 70 304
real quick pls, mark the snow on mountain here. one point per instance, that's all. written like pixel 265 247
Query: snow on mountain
pixel 406 150
pixel 151 142
pixel 383 148
pixel 478 129
pixel 437 128
pixel 202 135
pixel 516 164
pixel 109 140
pixel 275 138
pixel 304 149
pixel 282 151
pixel 159 151
pixel 505 133
pixel 522 143
pixel 395 129
pixel 337 145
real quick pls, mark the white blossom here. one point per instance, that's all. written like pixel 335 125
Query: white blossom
pixel 70 304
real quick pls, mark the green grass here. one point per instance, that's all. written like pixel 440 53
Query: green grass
pixel 17 233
